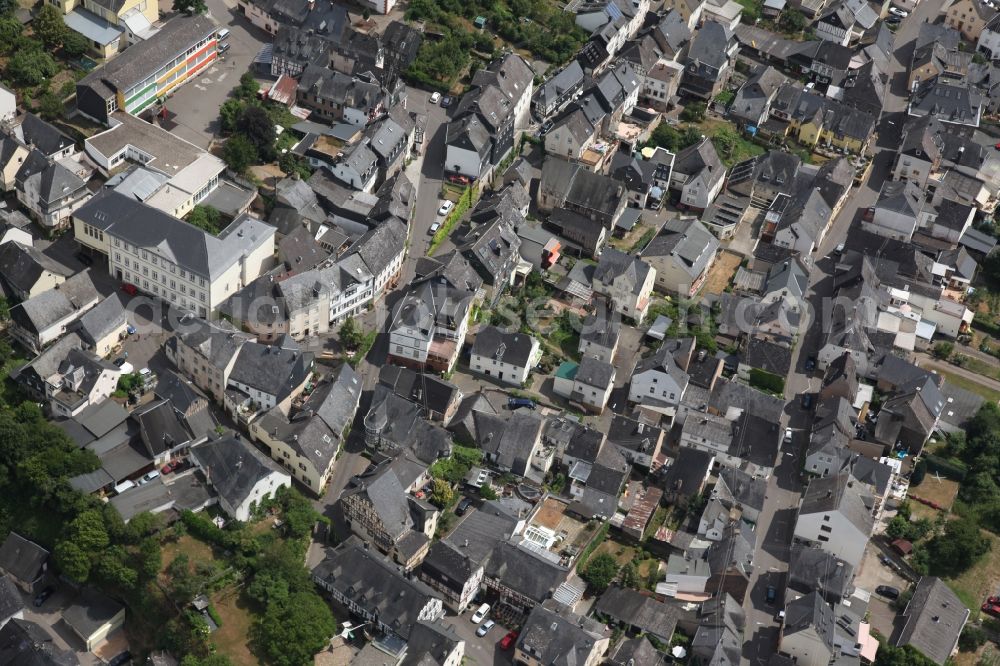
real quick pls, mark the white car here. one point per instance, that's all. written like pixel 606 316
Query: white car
pixel 481 614
pixel 485 627
pixel 434 228
pixel 788 435
pixel 446 207
pixel 901 13
pixel 435 97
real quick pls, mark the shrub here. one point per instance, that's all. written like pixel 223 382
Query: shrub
pixel 214 614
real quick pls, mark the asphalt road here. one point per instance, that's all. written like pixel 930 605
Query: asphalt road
pixel 196 104
pixel 774 532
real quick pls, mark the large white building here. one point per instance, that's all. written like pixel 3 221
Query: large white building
pixel 169 258
pixel 187 173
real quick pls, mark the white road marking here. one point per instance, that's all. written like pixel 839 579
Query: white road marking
pixel 222 77
pixel 200 87
pixel 206 80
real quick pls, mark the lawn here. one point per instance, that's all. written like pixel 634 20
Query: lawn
pixel 621 553
pixel 197 551
pixel 981 580
pixel 981 367
pixel 942 493
pixel 970 385
pixel 233 637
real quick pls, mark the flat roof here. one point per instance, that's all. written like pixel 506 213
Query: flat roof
pixel 92 26
pixel 170 154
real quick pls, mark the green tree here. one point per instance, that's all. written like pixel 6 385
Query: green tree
pixel 229 112
pixel 290 634
pixel 238 153
pixel 248 87
pixel 351 335
pixel 50 106
pixel 487 492
pixel 442 494
pixel 48 26
pixel 299 514
pixel 74 44
pixel 971 638
pixel 630 576
pixel 256 125
pixel 4 314
pixel 88 532
pixel 190 7
pixel 205 218
pixel 726 142
pixel 30 66
pixel 919 472
pixel 792 21
pixel 150 558
pixel 211 660
pixel 943 350
pixel 11 32
pixel 956 549
pixel 890 655
pixel 694 112
pixel 72 561
pixel 600 571
pixel 112 569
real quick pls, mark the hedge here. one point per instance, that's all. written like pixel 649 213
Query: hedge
pixel 599 537
pixel 214 614
pixel 951 469
pixel 767 381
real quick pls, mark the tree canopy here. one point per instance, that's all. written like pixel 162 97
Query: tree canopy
pixel 600 571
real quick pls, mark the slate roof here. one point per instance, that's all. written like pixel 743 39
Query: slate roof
pixel 447 565
pixel 24 643
pixel 615 264
pixel 596 373
pixel 482 532
pixel 102 319
pixel 233 467
pixel 512 348
pixel 10 598
pixel 637 610
pixel 810 612
pixel 270 369
pixel 218 342
pixel 948 100
pixel 40 312
pixel 705 46
pixel 21 266
pixel 688 471
pixel 687 242
pixel 558 636
pixel 375 584
pixel 430 644
pixel 838 492
pixel 21 558
pixel 178 241
pixel 149 55
pixel 768 356
pixel 36 133
pixel 812 568
pixel 525 572
pixel 601 330
pixel 933 620
pixel 380 246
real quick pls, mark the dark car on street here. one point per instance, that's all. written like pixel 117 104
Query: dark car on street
pixel 43 595
pixel 463 506
pixel 771 595
pixel 887 591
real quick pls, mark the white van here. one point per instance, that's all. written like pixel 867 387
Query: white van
pixel 222 35
pixel 123 486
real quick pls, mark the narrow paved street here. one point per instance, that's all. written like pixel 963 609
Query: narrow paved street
pixel 774 532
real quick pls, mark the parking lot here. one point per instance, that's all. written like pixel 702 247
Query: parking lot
pixel 480 650
pixel 872 574
pixel 194 108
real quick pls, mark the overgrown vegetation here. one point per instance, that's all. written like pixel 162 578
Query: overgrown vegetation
pixel 205 218
pixel 253 139
pixel 537 26
pixel 454 468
